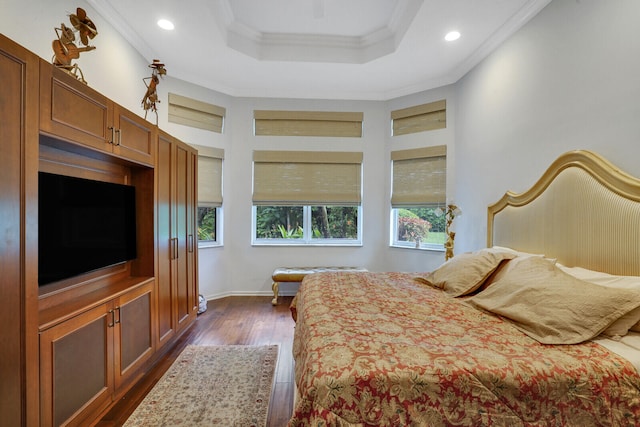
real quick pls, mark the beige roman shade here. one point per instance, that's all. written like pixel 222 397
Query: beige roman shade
pixel 308 123
pixel 209 176
pixel 419 176
pixel 197 114
pixel 420 118
pixel 307 178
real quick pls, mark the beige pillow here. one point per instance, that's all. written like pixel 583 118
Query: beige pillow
pixel 551 306
pixel 465 273
pixel 631 320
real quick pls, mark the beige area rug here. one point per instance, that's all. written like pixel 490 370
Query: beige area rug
pixel 212 386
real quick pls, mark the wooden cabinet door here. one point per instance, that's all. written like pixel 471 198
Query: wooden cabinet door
pixel 165 212
pixel 76 367
pixel 18 223
pixel 187 306
pixel 133 339
pixel 71 110
pixel 177 298
pixel 135 138
pixel 192 231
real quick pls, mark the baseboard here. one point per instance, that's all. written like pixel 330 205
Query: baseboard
pixel 212 297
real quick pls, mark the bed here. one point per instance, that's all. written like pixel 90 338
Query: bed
pixel 541 328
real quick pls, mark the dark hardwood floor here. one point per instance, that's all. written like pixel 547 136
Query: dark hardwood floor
pixel 231 320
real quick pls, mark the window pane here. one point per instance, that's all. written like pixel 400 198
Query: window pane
pixel 423 224
pixel 279 222
pixel 334 222
pixel 206 223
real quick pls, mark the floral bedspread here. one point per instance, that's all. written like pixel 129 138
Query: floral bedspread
pixel 380 349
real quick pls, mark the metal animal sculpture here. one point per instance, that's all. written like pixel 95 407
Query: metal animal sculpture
pixel 64 47
pixel 151 96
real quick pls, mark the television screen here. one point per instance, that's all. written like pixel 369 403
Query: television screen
pixel 83 225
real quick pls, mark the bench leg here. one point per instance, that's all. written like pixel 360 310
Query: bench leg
pixel 275 287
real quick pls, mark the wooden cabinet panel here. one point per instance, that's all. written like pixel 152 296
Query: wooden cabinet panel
pixel 180 234
pixel 176 272
pixel 135 138
pixel 165 220
pixel 134 333
pixel 74 112
pixel 18 282
pixel 86 359
pixel 71 110
pixel 76 364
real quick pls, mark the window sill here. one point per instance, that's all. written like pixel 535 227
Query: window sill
pixel 209 245
pixel 421 248
pixel 306 244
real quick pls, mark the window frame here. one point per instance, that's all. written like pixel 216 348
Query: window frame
pixel 219 236
pixel 307 239
pixel 430 192
pixel 394 242
pixel 213 197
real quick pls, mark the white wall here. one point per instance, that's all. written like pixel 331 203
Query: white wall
pixel 238 267
pixel 569 79
pixel 114 68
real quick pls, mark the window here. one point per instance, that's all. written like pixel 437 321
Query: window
pixel 308 123
pixel 307 198
pixel 420 118
pixel 194 113
pixel 419 197
pixel 209 213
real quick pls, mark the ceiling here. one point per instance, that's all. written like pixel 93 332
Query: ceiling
pixel 317 49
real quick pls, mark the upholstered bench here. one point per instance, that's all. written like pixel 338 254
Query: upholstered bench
pixel 296 274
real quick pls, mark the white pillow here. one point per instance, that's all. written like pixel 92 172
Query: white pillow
pixel 602 279
pixel 628 322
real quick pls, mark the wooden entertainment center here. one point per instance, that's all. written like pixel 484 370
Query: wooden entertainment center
pixel 70 349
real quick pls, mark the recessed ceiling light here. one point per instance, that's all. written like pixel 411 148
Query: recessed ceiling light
pixel 451 36
pixel 165 24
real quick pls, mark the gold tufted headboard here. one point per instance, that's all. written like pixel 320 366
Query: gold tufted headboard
pixel 583 211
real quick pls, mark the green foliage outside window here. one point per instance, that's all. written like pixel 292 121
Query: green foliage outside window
pixel 334 222
pixel 206 223
pixel 287 222
pixel 422 223
pixel 278 222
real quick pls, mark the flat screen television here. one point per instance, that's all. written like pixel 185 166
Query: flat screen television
pixel 83 225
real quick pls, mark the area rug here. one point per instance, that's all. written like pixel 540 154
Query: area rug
pixel 212 386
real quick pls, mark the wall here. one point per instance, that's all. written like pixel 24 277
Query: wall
pixel 114 68
pixel 239 268
pixel 567 80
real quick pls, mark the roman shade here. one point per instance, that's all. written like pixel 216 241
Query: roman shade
pixel 308 123
pixel 419 176
pixel 420 118
pixel 307 178
pixel 197 114
pixel 210 176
